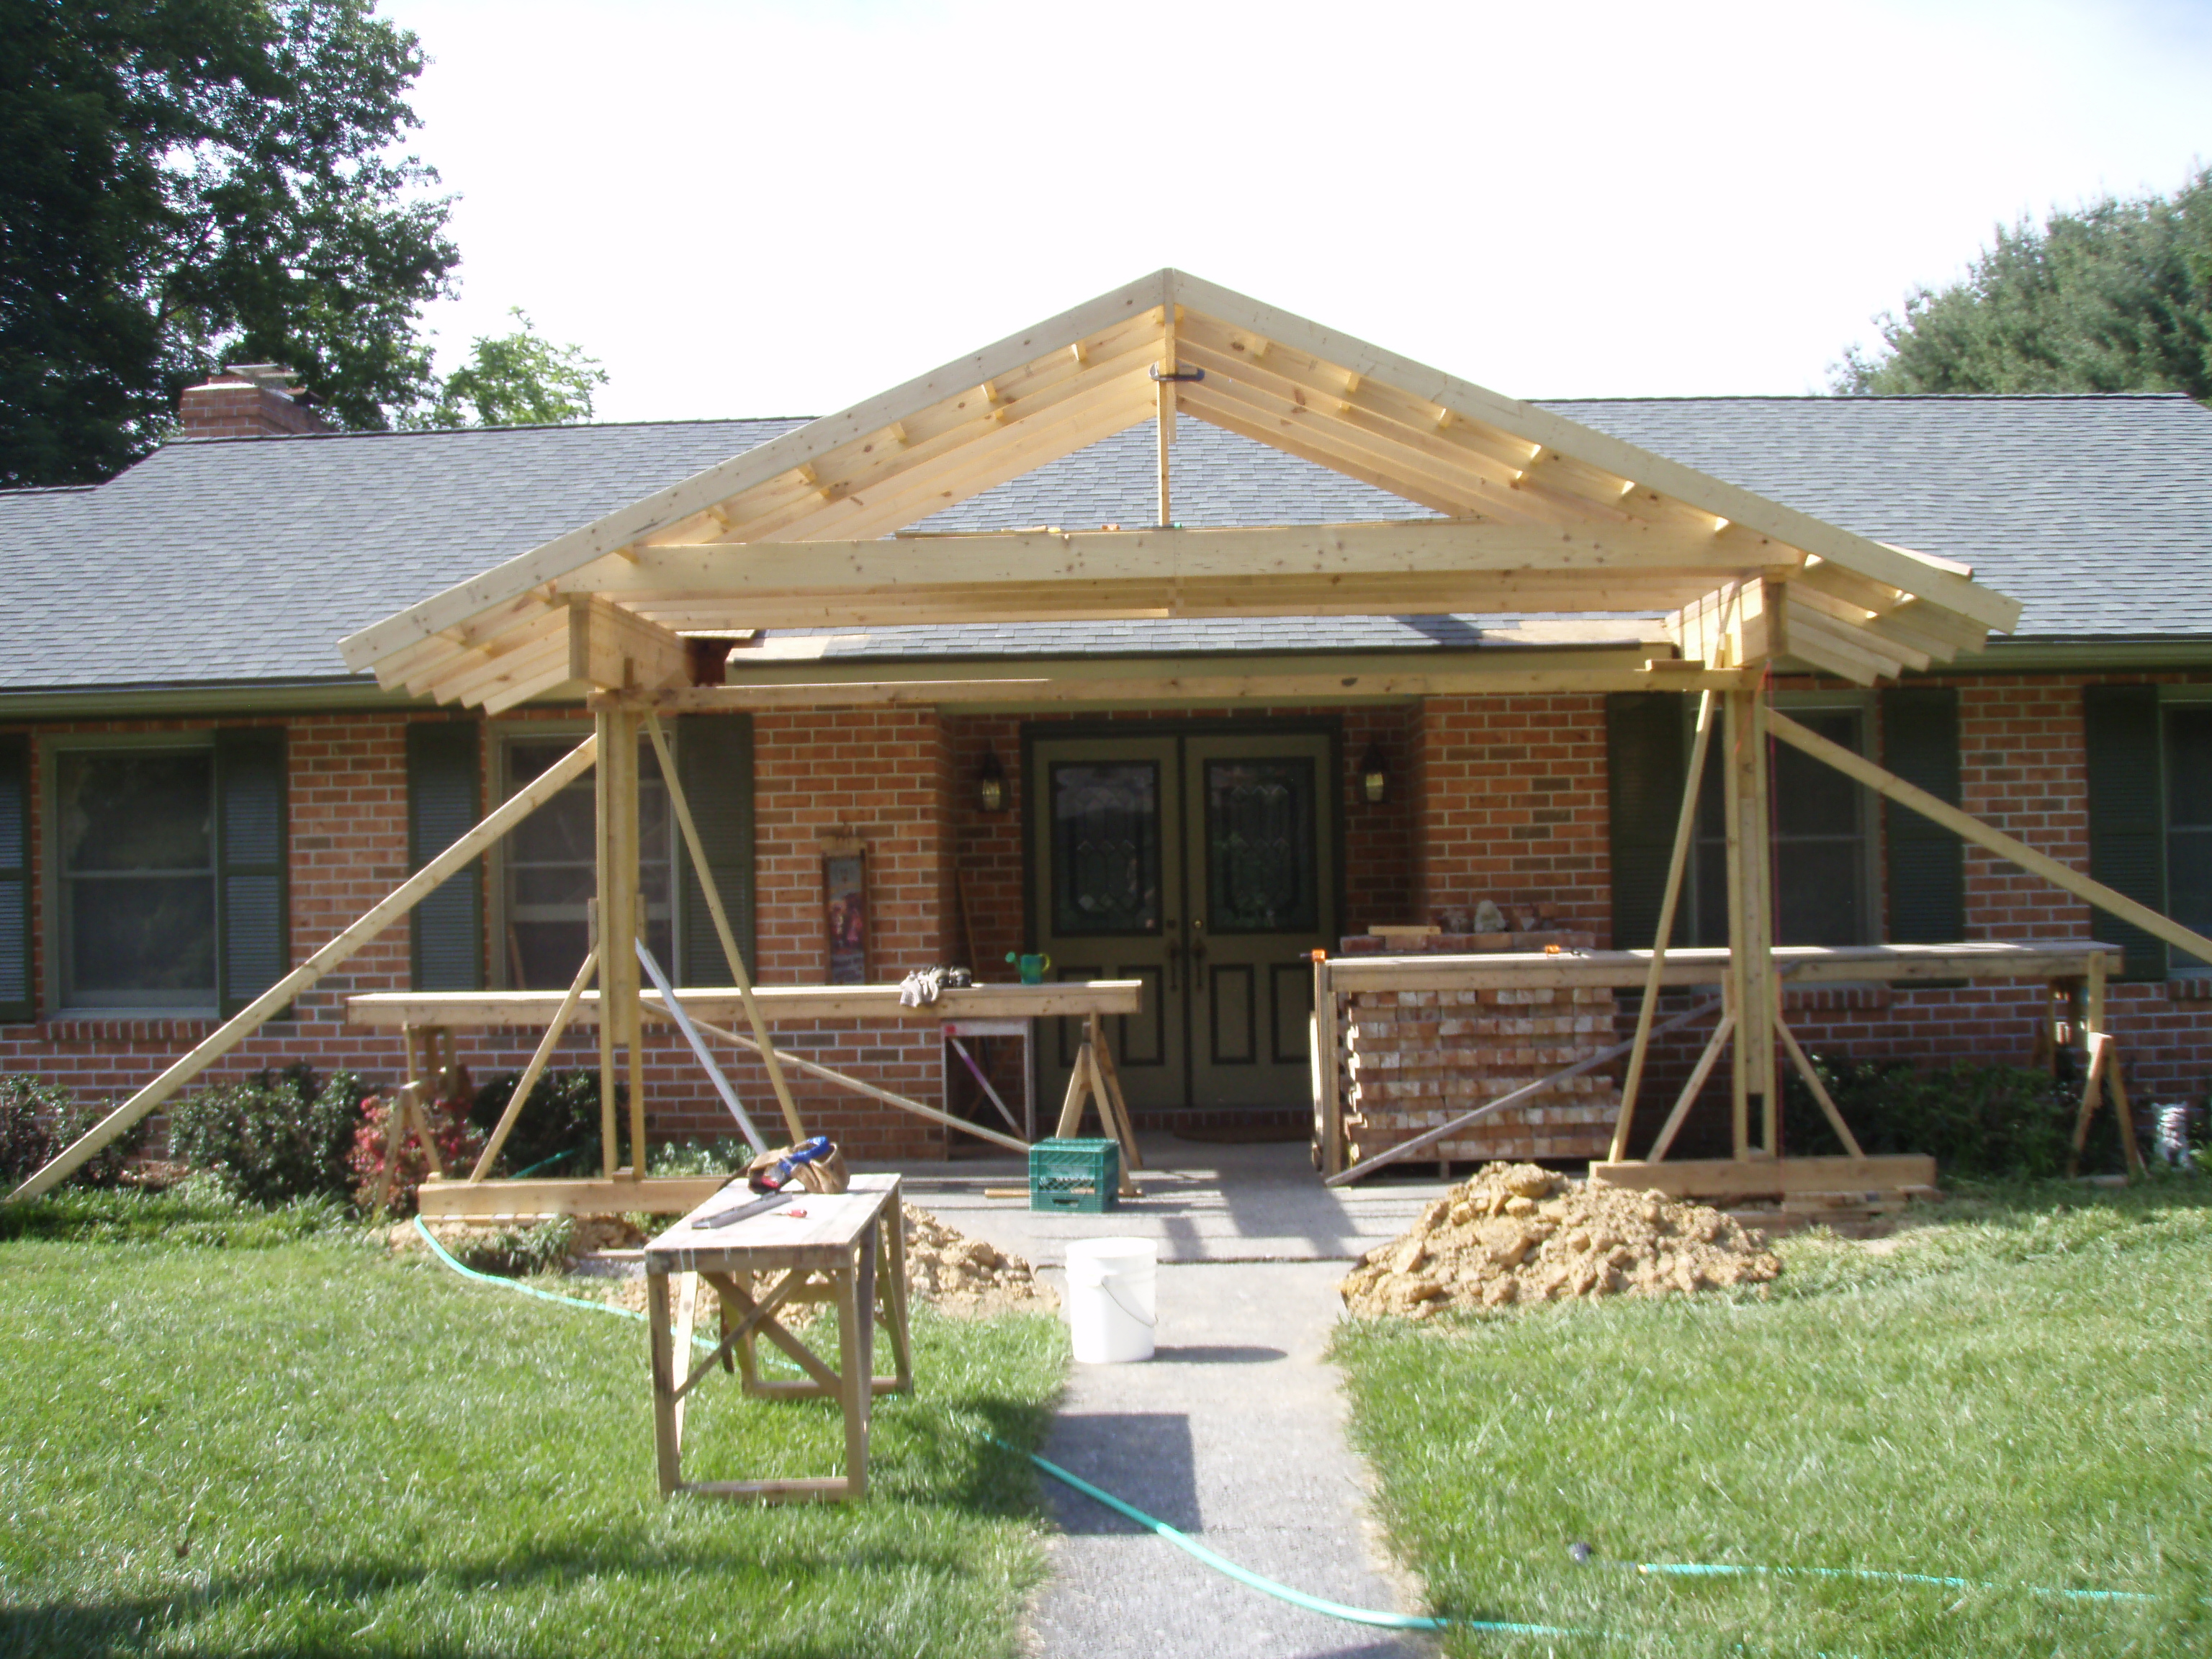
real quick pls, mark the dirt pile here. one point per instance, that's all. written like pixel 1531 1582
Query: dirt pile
pixel 960 1274
pixel 1515 1233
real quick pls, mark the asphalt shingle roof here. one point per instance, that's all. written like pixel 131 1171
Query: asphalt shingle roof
pixel 230 560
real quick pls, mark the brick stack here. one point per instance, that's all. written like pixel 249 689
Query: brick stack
pixel 1415 1060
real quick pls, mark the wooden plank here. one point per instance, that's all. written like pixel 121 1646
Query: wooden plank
pixel 1769 1177
pixel 1690 965
pixel 468 1010
pixel 1678 859
pixel 373 922
pixel 1613 456
pixel 703 869
pixel 613 649
pixel 492 1201
pixel 557 557
pixel 1974 829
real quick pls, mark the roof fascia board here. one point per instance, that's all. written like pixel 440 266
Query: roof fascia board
pixel 186 702
pixel 1898 569
pixel 1505 659
pixel 565 554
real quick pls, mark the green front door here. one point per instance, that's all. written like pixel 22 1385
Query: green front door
pixel 1204 864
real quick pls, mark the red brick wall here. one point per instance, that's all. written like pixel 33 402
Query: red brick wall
pixel 1511 795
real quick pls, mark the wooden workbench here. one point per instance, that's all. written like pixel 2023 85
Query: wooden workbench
pixel 847 1249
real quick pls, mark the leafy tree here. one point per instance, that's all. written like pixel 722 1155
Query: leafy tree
pixel 2116 297
pixel 517 379
pixel 191 181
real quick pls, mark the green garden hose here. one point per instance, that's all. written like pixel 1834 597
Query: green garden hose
pixel 1329 1609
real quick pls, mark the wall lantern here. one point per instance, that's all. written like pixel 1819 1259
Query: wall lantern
pixel 1374 776
pixel 990 783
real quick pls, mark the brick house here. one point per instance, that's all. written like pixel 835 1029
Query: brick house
pixel 194 791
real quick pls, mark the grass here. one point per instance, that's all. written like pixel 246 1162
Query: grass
pixel 274 1440
pixel 2020 1394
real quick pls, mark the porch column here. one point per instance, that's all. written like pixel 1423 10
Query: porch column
pixel 1750 985
pixel 620 927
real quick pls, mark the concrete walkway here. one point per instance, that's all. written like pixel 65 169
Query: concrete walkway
pixel 1234 1433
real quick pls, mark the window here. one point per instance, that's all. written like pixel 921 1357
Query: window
pixel 1822 850
pixel 1824 839
pixel 169 873
pixel 549 868
pixel 2189 822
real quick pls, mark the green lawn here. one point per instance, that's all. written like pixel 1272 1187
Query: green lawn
pixel 2021 1395
pixel 304 1448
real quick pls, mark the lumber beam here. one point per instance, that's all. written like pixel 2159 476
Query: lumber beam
pixel 500 1201
pixel 1731 1178
pixel 615 650
pixel 373 922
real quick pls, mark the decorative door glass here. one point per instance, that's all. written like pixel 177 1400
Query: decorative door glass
pixel 1106 847
pixel 1260 824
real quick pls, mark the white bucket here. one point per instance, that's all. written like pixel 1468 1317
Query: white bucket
pixel 1111 1302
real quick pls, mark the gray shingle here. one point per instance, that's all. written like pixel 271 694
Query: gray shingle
pixel 245 560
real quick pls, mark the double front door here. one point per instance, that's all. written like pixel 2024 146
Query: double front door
pixel 1204 865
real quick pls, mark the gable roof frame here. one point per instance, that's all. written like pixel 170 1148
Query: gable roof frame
pixel 1543 513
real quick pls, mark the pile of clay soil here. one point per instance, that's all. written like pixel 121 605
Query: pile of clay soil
pixel 1515 1233
pixel 963 1275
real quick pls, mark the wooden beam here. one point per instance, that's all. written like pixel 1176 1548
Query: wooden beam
pixel 728 478
pixel 373 922
pixel 1996 841
pixel 1729 1178
pixel 473 1010
pixel 610 648
pixel 500 1201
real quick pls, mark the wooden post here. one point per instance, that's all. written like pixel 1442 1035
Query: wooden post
pixel 619 974
pixel 1328 1087
pixel 249 1019
pixel 1165 392
pixel 1685 825
pixel 1751 933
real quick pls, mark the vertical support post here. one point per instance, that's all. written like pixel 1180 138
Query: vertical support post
pixel 1165 392
pixel 1328 1085
pixel 619 920
pixel 1751 927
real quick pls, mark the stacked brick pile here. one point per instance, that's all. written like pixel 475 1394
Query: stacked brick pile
pixel 1417 1058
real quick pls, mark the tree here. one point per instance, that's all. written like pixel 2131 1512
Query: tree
pixel 517 379
pixel 188 182
pixel 2116 297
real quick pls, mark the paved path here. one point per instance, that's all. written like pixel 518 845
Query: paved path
pixel 1234 1433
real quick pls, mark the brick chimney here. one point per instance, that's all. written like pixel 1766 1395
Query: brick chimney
pixel 248 400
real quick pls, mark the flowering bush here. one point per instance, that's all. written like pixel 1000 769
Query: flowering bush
pixel 459 1143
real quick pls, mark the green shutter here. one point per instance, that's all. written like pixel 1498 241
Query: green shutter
pixel 15 1001
pixel 253 934
pixel 715 760
pixel 2127 815
pixel 1927 862
pixel 445 799
pixel 1644 761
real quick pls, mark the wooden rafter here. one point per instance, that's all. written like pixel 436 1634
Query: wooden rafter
pixel 1865 610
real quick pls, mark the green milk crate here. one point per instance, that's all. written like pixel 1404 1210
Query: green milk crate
pixel 1083 1175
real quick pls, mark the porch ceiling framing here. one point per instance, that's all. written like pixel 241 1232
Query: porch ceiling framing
pixel 1536 513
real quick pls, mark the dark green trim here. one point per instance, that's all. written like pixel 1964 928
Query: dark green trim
pixel 715 762
pixel 253 883
pixel 1645 769
pixel 2127 814
pixel 1927 862
pixel 18 1001
pixel 445 800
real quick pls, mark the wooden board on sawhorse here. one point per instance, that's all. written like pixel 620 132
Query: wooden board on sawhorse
pixel 2101 1070
pixel 1094 1078
pixel 433 1071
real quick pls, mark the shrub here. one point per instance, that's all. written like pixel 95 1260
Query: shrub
pixel 458 1144
pixel 39 1118
pixel 1977 1120
pixel 562 1120
pixel 536 1247
pixel 275 1136
pixel 727 1156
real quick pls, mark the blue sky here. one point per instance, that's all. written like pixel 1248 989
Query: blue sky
pixel 767 209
